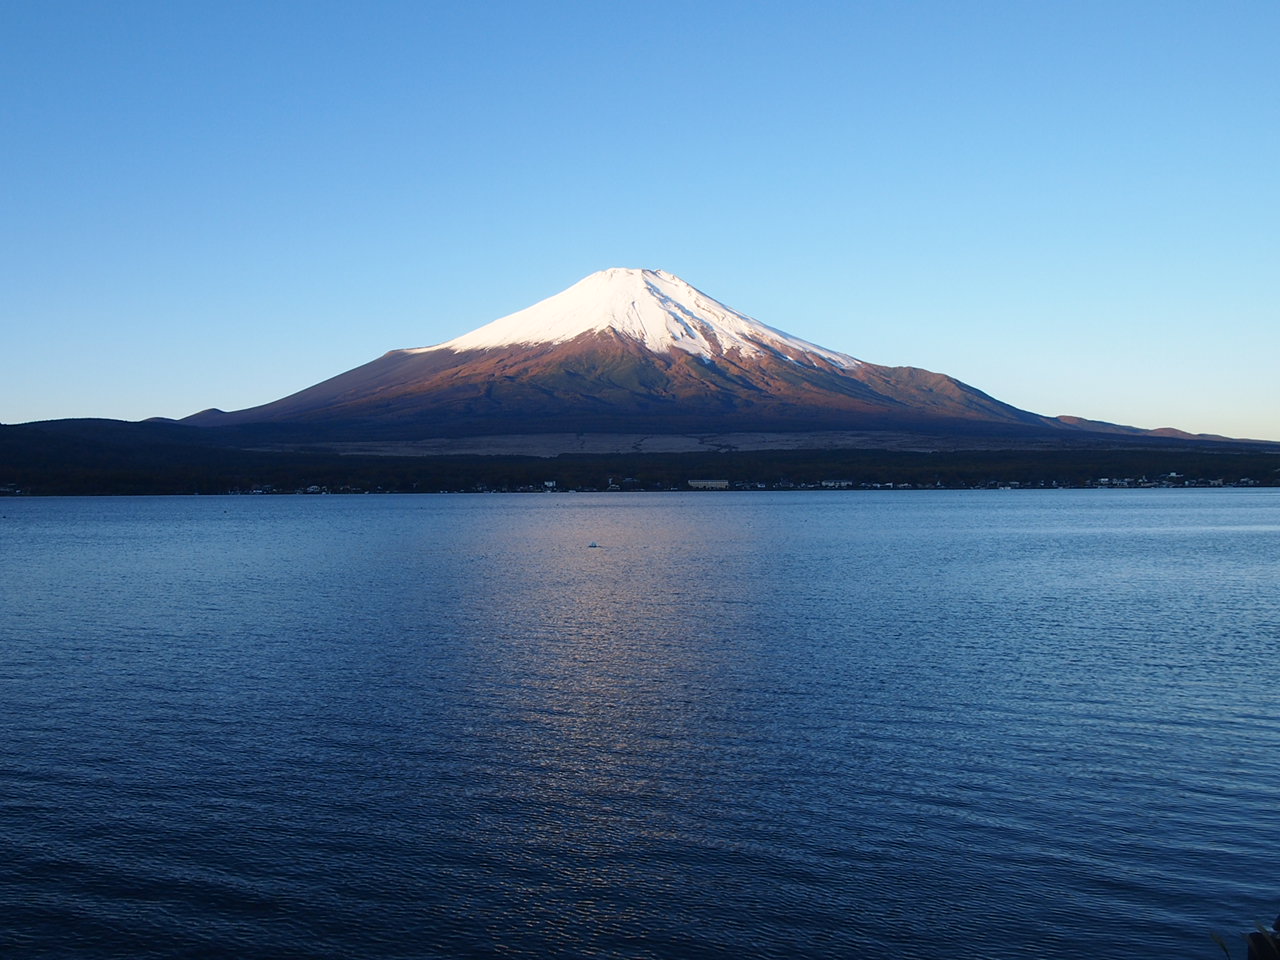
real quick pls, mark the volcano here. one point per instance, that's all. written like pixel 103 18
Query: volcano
pixel 637 352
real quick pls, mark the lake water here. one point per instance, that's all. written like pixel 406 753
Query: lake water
pixel 870 725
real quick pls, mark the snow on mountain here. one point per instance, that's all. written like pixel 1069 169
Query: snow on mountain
pixel 652 307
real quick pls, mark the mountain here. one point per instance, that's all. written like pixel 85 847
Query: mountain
pixel 628 373
pixel 626 351
pixel 640 353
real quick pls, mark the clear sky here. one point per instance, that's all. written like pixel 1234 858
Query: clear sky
pixel 1074 206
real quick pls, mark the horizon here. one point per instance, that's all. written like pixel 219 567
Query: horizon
pixel 1069 209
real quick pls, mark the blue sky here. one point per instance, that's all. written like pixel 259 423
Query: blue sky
pixel 1072 206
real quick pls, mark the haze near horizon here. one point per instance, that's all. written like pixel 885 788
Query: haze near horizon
pixel 1070 208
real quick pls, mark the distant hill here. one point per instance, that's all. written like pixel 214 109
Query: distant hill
pixel 114 457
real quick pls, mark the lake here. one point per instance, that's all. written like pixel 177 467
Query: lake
pixel 813 724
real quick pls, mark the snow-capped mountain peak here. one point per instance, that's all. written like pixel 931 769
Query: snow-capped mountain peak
pixel 652 307
pixel 612 353
pixel 639 352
